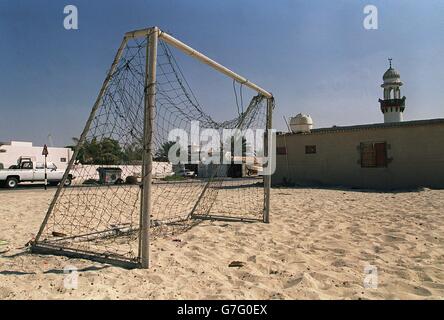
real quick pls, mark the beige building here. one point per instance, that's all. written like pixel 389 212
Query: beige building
pixel 389 155
pixel 379 156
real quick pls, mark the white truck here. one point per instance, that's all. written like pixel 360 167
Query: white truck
pixel 29 171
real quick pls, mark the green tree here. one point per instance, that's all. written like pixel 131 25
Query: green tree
pixel 106 151
pixel 110 152
pixel 162 152
pixel 133 153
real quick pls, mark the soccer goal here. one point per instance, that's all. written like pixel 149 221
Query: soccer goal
pixel 153 161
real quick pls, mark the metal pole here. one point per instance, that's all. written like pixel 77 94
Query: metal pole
pixel 45 154
pixel 83 135
pixel 150 102
pixel 138 33
pixel 267 178
pixel 201 57
pixel 46 175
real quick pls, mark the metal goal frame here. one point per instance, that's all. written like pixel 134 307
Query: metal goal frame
pixel 152 35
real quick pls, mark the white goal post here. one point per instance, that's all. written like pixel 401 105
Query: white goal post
pixel 85 198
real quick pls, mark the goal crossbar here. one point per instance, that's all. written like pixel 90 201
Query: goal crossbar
pixel 199 56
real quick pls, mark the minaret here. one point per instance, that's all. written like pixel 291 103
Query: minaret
pixel 392 106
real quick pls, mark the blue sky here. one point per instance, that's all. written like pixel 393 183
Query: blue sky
pixel 315 56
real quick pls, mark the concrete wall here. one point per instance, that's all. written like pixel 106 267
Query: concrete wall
pixel 416 153
pixel 9 154
pixel 85 172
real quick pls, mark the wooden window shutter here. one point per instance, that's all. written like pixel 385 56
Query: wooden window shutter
pixel 381 154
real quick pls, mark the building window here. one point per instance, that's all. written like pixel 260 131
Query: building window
pixel 373 154
pixel 281 150
pixel 310 149
pixel 62 159
pixel 2 166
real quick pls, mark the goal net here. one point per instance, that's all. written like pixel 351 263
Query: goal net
pixel 153 161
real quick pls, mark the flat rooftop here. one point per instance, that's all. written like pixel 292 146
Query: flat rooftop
pixel 414 123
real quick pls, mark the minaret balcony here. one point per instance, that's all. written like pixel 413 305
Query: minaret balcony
pixel 390 105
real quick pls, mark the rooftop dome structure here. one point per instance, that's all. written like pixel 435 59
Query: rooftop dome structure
pixel 301 123
pixel 391 76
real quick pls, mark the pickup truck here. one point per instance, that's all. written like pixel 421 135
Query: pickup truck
pixel 29 171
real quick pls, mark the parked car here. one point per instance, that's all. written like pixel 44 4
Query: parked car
pixel 29 171
pixel 186 173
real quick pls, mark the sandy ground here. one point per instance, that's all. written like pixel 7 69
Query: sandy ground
pixel 316 247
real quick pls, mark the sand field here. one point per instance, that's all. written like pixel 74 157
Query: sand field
pixel 317 246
